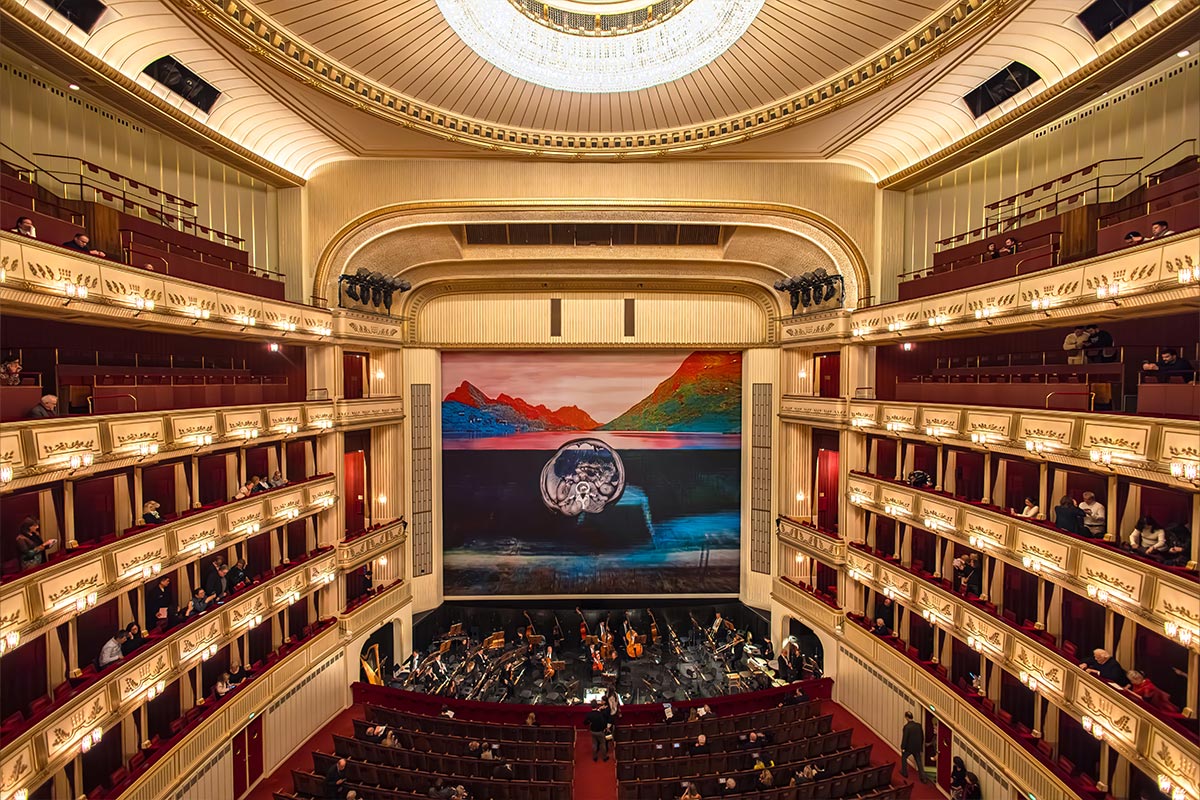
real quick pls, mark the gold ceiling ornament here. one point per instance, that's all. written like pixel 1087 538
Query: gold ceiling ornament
pixel 956 23
pixel 591 19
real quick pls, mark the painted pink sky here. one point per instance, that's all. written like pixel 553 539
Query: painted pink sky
pixel 604 385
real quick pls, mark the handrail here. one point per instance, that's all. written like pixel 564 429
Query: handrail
pixel 981 258
pixel 1145 167
pixel 1048 185
pixel 1091 398
pixel 118 177
pixel 1142 209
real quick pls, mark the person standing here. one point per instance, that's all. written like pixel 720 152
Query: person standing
pixel 912 745
pixel 597 723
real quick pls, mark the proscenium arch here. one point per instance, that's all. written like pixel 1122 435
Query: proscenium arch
pixel 827 235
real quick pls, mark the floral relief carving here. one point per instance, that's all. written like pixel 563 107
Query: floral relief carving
pixel 1040 552
pixel 17 769
pixel 66 447
pixel 61 734
pixel 1187 612
pixel 1123 723
pixel 1104 577
pixel 1043 433
pixel 83 583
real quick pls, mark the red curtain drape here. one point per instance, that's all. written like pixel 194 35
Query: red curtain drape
pixel 24 676
pixel 212 479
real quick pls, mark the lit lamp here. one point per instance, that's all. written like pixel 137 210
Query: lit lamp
pixel 1182 470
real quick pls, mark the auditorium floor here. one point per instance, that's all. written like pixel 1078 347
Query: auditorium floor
pixel 593 781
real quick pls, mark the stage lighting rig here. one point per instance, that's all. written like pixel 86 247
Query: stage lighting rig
pixel 813 288
pixel 370 288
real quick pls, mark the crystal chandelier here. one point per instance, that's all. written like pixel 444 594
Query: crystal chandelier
pixel 521 47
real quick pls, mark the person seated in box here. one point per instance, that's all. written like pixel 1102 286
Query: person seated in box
pixel 1169 363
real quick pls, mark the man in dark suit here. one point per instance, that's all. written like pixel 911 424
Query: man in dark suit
pixel 218 585
pixel 912 745
pixel 159 603
pixel 335 780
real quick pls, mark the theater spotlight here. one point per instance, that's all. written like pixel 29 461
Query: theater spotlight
pixel 372 288
pixel 813 288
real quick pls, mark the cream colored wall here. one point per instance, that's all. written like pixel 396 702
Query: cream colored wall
pixel 38 114
pixel 758 366
pixel 338 193
pixel 590 319
pixel 1144 121
pixel 424 366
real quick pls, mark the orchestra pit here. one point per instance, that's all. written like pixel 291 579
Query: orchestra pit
pixel 599 400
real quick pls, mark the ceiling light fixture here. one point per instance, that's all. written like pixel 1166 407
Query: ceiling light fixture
pixel 690 39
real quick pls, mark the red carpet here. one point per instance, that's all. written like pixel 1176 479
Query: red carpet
pixel 281 779
pixel 594 780
pixel 881 753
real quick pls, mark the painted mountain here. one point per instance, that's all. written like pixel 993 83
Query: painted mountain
pixel 703 396
pixel 467 410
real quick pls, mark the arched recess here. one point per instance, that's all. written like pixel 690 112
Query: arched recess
pixel 816 230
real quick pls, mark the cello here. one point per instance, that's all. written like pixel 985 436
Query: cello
pixel 653 627
pixel 583 626
pixel 530 631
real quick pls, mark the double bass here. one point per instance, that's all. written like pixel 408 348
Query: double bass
pixel 633 648
pixel 583 626
pixel 607 651
pixel 653 627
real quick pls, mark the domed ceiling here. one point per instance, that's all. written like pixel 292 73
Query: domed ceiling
pixel 413 49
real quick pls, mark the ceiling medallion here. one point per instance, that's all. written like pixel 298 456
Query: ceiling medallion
pixel 683 42
pixel 584 18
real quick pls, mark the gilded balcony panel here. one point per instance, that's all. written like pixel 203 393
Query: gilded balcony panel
pixel 1157 596
pixel 371 615
pixel 808 608
pixel 54 740
pixel 33 602
pixel 354 553
pixel 814 543
pixel 37 277
pixel 372 410
pixel 815 410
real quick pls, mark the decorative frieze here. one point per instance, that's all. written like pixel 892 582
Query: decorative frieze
pixel 940 419
pixel 67 587
pixel 979 629
pixel 14 611
pixel 1124 441
pixel 998 427
pixel 127 436
pixel 1050 675
pixel 55 444
pixel 284 504
pixel 16 769
pixel 350 554
pixel 1047 552
pixel 188 428
pixel 242 422
pixel 986 531
pixel 193 534
pixel 196 641
pixel 279 418
pixel 144 555
pixel 68 729
pixel 246 612
pixel 376 409
pixel 899 418
pixel 896 502
pixel 943 515
pixel 1054 431
pixel 12 452
pixel 318 416
pixel 322 493
pixel 1105 575
pixel 1117 719
pixel 895 583
pixel 134 681
pixel 1179 764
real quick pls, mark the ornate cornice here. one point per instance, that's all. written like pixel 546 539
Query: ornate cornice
pixel 271 42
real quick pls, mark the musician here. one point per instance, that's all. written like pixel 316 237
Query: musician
pixel 437 671
pixel 718 629
pixel 789 661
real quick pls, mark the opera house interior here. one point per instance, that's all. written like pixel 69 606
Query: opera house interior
pixel 909 290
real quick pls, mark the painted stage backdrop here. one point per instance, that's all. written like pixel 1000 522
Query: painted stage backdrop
pixel 591 473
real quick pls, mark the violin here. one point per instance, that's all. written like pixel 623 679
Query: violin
pixel 653 627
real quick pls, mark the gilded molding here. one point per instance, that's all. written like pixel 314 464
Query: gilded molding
pixel 262 37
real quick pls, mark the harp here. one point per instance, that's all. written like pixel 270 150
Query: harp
pixel 371 665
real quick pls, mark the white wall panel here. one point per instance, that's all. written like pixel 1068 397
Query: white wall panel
pixel 991 781
pixel 299 712
pixel 873 697
pixel 213 778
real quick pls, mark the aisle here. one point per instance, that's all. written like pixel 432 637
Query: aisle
pixel 594 780
pixel 281 779
pixel 881 752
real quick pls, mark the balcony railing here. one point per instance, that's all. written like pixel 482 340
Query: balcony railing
pixel 1157 596
pixel 37 600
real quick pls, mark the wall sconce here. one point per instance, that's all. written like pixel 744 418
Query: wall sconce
pixel 79 460
pixel 1188 275
pixel 889 592
pixel 197 313
pixel 253 621
pixel 907 347
pixel 322 424
pixel 84 602
pixel 287 429
pixel 860 332
pixel 934 524
pixel 322 331
pixel 937 321
pixel 983 438
pixel 1109 292
pixel 208 652
pixel 802 374
pixel 73 291
pixel 855 575
pixel 286 326
pixel 90 740
pixel 1040 447
pixel 147 449
pixel 897 326
pixel 1102 458
pixel 982 542
pixel 1029 680
pixel 273 347
pixel 896 510
pixel 202 440
pixel 288 513
pixel 1094 727
pixel 1032 564
pixel 1170 789
pixel 379 375
pixel 1185 636
pixel 1101 595
pixel 381 499
pixel 9 641
pixel 857 498
pixel 937 431
pixel 141 303
pixel 245 320
pixel 383 561
pixel 1043 304
pixel 6 474
pixel 987 313
pixel 976 643
pixel 248 433
pixel 1183 470
pixel 147 571
pixel 861 422
pixel 896 426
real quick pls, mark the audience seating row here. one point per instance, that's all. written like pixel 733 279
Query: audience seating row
pixel 787 758
pixel 414 781
pixel 854 783
pixel 493 732
pixel 717 725
pixel 529 769
pixel 439 744
pixel 808 728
